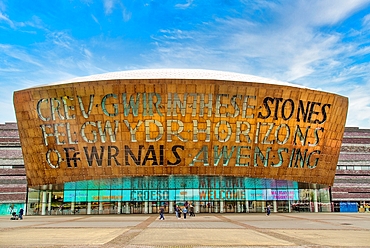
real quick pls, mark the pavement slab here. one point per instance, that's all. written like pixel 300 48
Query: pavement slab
pixel 58 237
pixel 330 238
pixel 279 230
pixel 206 237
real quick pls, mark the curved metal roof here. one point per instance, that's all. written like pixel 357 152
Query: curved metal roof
pixel 177 74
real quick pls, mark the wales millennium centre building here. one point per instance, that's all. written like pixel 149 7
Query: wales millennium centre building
pixel 134 141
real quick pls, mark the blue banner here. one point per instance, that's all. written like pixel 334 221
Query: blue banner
pixel 191 188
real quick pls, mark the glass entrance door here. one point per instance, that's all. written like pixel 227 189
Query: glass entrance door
pixel 207 207
pixel 230 207
pixel 137 207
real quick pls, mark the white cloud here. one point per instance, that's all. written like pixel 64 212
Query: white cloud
pixel 88 54
pixel 108 6
pixel 94 18
pixel 185 5
pixel 6 19
pixel 359 107
pixel 366 22
pixel 125 14
pixel 288 48
pixel 60 39
pixel 10 70
pixel 14 53
pixel 317 13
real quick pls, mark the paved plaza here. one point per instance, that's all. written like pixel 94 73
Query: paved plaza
pixel 203 230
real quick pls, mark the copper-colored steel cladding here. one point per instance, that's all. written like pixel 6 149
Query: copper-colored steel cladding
pixel 220 124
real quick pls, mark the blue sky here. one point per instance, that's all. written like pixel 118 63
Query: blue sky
pixel 321 44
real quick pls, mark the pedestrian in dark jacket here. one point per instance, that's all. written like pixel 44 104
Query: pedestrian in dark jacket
pixel 179 212
pixel 191 210
pixel 161 213
pixel 21 211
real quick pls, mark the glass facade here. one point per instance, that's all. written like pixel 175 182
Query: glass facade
pixel 208 194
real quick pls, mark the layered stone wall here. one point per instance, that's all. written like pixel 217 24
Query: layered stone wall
pixel 352 179
pixel 13 184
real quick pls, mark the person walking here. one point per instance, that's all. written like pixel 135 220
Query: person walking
pixel 268 210
pixel 21 211
pixel 161 213
pixel 61 208
pixel 175 209
pixel 191 210
pixel 184 211
pixel 178 212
